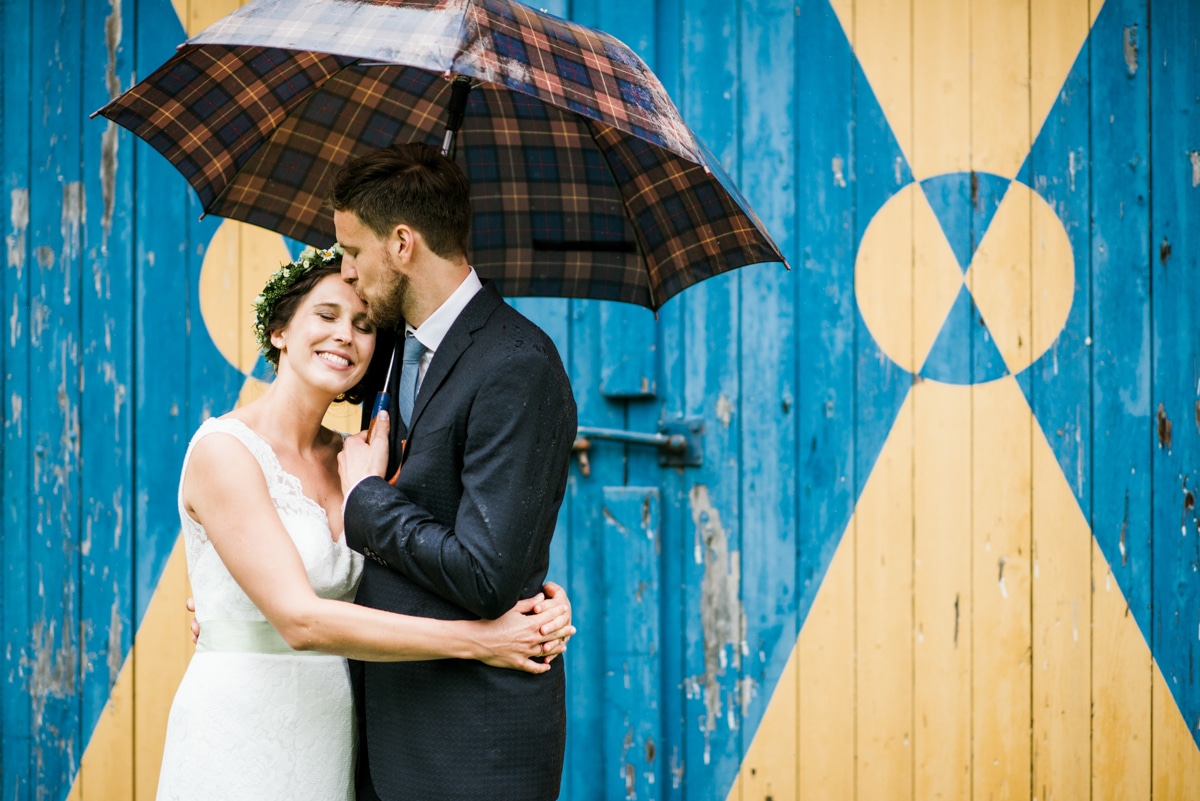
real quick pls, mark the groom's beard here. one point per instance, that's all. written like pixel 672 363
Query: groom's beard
pixel 385 308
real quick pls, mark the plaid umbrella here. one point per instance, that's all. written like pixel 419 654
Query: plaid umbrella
pixel 585 180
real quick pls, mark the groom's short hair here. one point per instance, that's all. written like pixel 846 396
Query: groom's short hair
pixel 411 184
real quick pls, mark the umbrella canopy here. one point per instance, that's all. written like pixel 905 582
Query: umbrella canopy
pixel 585 181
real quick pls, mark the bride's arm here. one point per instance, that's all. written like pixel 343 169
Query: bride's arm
pixel 225 489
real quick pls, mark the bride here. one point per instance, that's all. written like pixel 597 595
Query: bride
pixel 264 710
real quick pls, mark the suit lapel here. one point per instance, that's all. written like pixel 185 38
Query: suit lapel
pixel 457 340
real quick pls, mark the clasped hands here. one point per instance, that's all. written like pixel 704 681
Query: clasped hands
pixel 509 638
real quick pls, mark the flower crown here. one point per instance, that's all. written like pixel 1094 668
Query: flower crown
pixel 278 285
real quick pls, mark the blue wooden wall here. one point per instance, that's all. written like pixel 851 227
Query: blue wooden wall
pixel 944 539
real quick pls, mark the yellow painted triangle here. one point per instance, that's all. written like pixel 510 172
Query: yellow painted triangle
pixel 966 84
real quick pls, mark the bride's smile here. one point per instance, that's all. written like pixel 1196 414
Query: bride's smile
pixel 335 359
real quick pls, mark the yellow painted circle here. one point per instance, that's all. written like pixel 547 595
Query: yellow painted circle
pixel 908 280
pixel 196 15
pixel 237 263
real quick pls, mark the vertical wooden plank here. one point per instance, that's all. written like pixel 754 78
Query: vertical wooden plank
pixel 15 660
pixel 883 530
pixel 631 635
pixel 1175 323
pixel 5 214
pixel 942 593
pixel 883 516
pixel 768 52
pixel 161 424
pixel 825 403
pixel 106 456
pixel 585 663
pixel 57 207
pixel 942 600
pixel 677 527
pixel 1062 620
pixel 641 335
pixel 1001 487
pixel 714 617
pixel 1122 666
pixel 941 75
pixel 1062 547
pixel 678 550
pixel 1001 517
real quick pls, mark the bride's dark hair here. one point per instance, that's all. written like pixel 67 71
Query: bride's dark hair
pixel 285 308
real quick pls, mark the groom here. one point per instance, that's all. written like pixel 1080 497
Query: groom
pixel 482 420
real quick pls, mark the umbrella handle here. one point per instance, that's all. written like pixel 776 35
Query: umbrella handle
pixel 382 400
pixel 457 109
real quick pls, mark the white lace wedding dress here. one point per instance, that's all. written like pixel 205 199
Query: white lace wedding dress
pixel 253 719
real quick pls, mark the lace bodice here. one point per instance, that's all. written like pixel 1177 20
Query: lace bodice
pixel 333 569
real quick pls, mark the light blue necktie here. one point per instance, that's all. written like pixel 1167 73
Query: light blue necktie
pixel 409 368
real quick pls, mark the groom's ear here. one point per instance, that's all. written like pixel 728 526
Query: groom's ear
pixel 402 243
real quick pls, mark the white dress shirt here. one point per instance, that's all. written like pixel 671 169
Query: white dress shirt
pixel 433 330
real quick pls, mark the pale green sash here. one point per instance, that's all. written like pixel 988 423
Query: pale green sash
pixel 246 637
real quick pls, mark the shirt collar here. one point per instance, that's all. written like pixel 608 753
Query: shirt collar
pixel 434 329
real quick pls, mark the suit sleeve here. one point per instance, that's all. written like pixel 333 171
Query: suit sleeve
pixel 519 433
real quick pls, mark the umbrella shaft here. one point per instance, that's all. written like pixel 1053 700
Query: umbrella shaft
pixel 456 110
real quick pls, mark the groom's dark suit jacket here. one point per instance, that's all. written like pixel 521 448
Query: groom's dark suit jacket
pixel 465 533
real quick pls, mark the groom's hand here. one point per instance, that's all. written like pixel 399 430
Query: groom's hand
pixel 360 459
pixel 191 607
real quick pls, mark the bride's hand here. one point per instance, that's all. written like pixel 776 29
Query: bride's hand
pixel 515 639
pixel 556 596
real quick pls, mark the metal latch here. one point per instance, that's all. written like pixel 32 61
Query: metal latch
pixel 680 443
